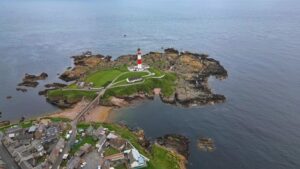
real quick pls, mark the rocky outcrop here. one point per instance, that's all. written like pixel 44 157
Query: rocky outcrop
pixel 61 102
pixel 206 144
pixel 193 71
pixel 55 85
pixel 31 80
pixel 176 142
pixel 118 102
pixel 21 89
pixel 83 63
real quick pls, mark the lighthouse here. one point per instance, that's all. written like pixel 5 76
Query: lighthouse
pixel 139 58
pixel 139 66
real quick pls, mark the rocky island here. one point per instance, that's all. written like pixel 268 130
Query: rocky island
pixel 181 77
pixel 31 80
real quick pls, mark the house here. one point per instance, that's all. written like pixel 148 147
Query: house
pixel 99 131
pixel 112 136
pixel 136 159
pixel 118 143
pixel 32 129
pixel 50 134
pixel 56 150
pixel 40 131
pixel 115 157
pixel 86 148
pixel 90 130
pixel 101 142
pixel 14 131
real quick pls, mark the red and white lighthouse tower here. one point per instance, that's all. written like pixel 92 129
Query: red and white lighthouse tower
pixel 139 58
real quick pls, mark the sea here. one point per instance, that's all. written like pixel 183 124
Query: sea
pixel 257 41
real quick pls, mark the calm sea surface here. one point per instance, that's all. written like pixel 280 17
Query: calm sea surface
pixel 257 41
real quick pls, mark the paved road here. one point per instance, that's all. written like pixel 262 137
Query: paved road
pixel 10 163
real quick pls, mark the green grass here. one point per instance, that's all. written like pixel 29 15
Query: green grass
pixel 121 166
pixel 167 85
pixel 131 75
pixel 71 95
pixel 72 86
pixel 26 124
pixel 110 151
pixel 163 158
pixel 156 71
pixel 101 77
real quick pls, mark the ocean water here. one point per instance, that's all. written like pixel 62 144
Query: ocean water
pixel 257 42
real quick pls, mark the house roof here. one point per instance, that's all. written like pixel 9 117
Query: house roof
pixel 136 159
pixel 112 136
pixel 32 129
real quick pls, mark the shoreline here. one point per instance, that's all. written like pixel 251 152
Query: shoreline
pixel 97 114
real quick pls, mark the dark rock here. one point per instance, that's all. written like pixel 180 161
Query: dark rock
pixel 8 97
pixel 206 144
pixel 43 92
pixel 31 80
pixel 55 85
pixel 21 89
pixel 29 83
pixel 29 77
pixel 22 119
pixel 175 142
pixel 171 50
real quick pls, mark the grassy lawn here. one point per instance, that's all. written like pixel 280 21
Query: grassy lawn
pixel 71 95
pixel 102 78
pixel 131 75
pixel 162 158
pixel 72 86
pixel 110 151
pixel 26 124
pixel 156 71
pixel 121 166
pixel 167 85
